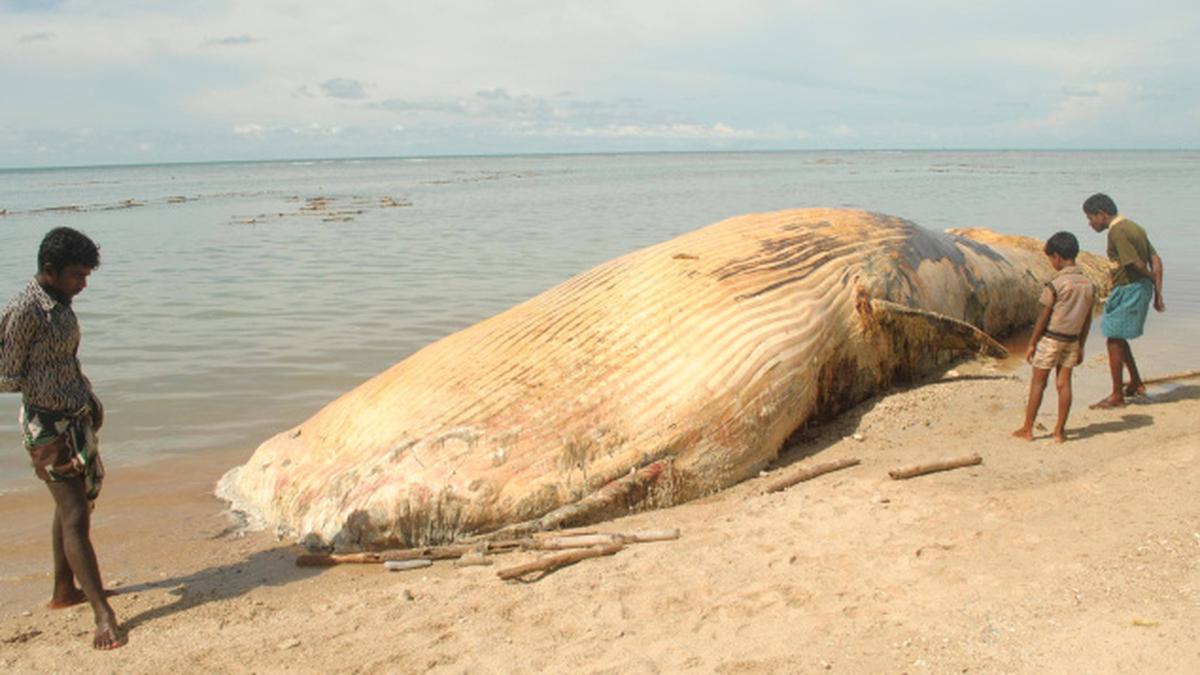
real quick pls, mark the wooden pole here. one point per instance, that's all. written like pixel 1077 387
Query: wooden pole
pixel 1185 375
pixel 426 553
pixel 587 540
pixel 555 543
pixel 932 467
pixel 331 559
pixel 808 473
pixel 401 565
pixel 554 562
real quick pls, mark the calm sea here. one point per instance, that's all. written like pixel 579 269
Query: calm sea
pixel 234 300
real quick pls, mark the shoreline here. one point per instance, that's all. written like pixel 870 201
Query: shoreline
pixel 1043 558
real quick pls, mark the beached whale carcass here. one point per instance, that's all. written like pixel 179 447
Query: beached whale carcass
pixel 662 375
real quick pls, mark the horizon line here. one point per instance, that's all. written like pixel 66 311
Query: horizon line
pixel 366 158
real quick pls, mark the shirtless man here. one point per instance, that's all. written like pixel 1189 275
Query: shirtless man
pixel 39 340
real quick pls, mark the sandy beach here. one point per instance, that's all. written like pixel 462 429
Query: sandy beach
pixel 1045 558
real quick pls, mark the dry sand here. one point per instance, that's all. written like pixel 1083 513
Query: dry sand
pixel 1080 557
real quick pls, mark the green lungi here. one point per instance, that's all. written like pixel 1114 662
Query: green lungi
pixel 63 445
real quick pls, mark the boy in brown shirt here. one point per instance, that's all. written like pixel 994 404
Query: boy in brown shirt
pixel 1060 332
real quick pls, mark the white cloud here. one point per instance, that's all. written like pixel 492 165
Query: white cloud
pixel 714 74
pixel 1084 107
pixel 343 87
pixel 718 131
pixel 230 41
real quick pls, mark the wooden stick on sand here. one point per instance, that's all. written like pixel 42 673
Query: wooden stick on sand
pixel 932 467
pixel 554 562
pixel 808 473
pixel 600 539
pixel 422 553
pixel 1185 375
pixel 555 543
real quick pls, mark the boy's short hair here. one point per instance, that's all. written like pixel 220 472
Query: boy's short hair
pixel 1064 244
pixel 1100 203
pixel 64 246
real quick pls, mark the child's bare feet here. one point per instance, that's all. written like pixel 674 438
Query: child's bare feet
pixel 1108 402
pixel 108 634
pixel 1024 433
pixel 1060 437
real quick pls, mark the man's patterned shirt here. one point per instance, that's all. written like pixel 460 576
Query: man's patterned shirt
pixel 39 343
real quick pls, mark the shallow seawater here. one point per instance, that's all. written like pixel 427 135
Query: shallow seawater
pixel 234 300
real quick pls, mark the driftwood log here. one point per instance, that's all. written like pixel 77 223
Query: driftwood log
pixel 578 540
pixel 933 467
pixel 600 539
pixel 554 562
pixel 401 565
pixel 422 553
pixel 808 473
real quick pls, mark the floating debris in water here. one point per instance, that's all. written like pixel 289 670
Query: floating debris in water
pixel 127 204
pixel 329 209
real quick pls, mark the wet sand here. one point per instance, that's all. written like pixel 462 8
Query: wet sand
pixel 1083 556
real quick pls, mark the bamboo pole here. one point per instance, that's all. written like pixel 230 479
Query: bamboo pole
pixel 932 467
pixel 808 473
pixel 554 562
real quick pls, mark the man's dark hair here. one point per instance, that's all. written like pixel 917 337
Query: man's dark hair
pixel 1064 244
pixel 64 246
pixel 1098 203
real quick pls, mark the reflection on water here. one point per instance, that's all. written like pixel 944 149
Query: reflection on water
pixel 236 299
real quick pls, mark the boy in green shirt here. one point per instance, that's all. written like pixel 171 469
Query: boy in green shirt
pixel 1137 278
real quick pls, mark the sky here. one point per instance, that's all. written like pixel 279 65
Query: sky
pixel 141 81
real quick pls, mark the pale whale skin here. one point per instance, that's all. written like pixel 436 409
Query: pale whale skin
pixel 697 356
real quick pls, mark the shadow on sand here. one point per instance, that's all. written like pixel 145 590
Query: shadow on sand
pixel 273 567
pixel 816 435
pixel 1130 421
pixel 1170 394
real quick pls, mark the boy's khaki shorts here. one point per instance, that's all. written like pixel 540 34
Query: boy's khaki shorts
pixel 1052 353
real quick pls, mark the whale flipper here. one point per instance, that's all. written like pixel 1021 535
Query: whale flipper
pixel 949 333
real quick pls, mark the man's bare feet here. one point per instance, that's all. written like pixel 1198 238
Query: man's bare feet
pixel 108 634
pixel 1060 437
pixel 1133 389
pixel 1108 402
pixel 73 597
pixel 1024 433
pixel 70 598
